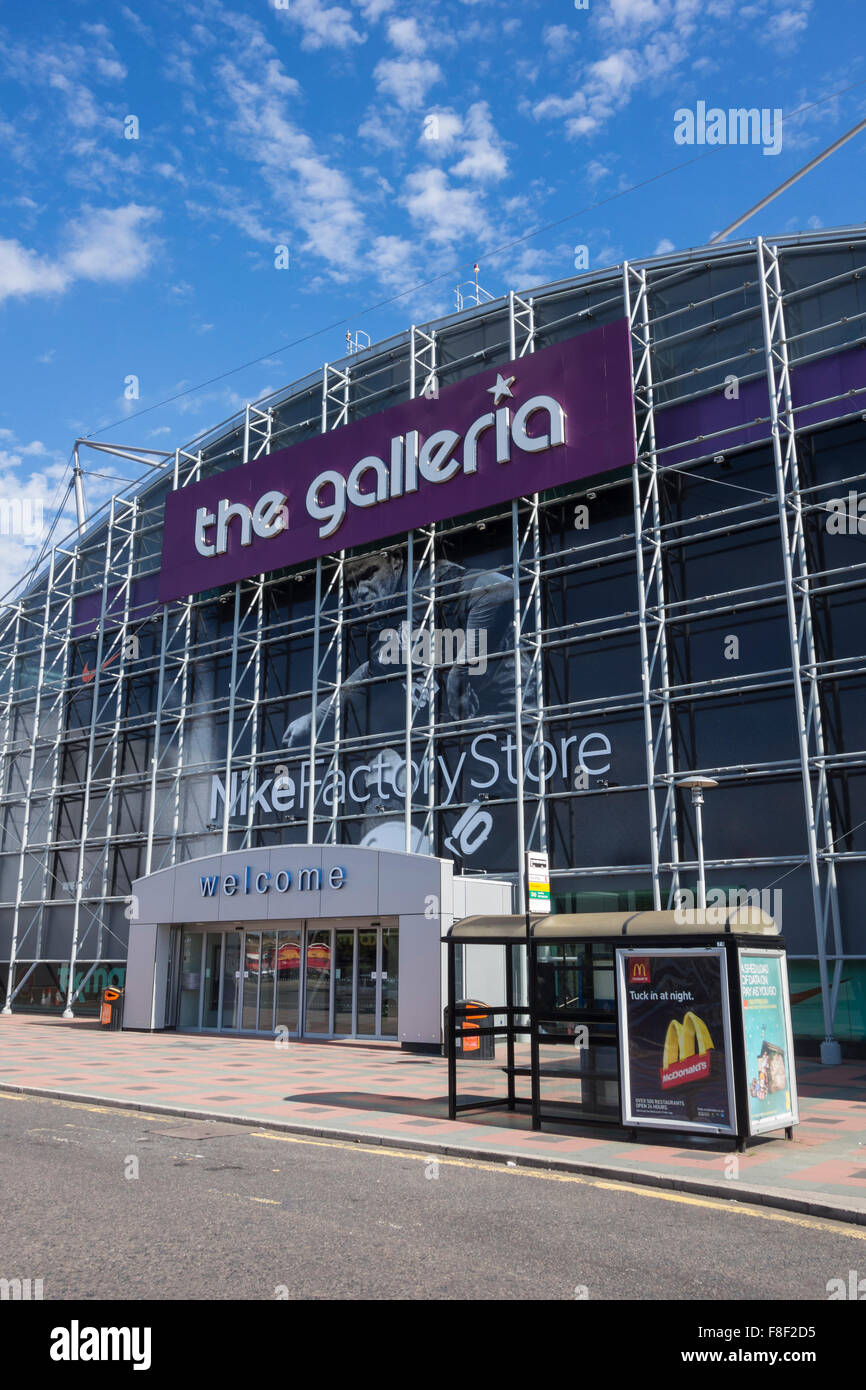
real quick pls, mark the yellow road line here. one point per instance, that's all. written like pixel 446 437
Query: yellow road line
pixel 97 1109
pixel 731 1206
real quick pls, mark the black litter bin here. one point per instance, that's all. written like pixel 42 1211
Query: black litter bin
pixel 473 1045
pixel 111 1009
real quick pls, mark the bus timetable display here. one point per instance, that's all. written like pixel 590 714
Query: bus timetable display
pixel 675 1047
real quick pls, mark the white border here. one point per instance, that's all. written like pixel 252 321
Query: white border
pixel 699 1126
pixel 786 1117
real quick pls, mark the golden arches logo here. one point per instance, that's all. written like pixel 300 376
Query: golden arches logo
pixel 687 1039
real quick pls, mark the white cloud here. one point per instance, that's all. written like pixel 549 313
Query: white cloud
pixel 606 88
pixel 385 128
pixel 406 80
pixel 786 26
pixel 664 246
pixel 106 244
pixel 111 244
pixel 310 192
pixel 405 35
pixel 560 37
pixel 324 26
pixel 241 215
pixel 395 262
pixel 596 171
pixel 630 13
pixel 483 156
pixel 444 212
pixel 447 127
pixel 135 21
pixel 374 9
pixel 23 272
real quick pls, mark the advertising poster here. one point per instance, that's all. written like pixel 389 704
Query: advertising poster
pixel 769 1046
pixel 675 1045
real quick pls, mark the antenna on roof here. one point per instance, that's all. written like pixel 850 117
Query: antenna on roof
pixel 354 345
pixel 470 292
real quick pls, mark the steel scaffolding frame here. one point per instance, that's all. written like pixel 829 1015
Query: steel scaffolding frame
pixel 40 624
pixel 801 636
pixel 61 664
pixel 655 680
pixel 121 510
pixel 421 591
pixel 330 591
pixel 528 626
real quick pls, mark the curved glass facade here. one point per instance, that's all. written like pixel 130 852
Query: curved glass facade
pixel 701 611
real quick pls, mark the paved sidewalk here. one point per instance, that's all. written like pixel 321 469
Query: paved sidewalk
pixel 378 1093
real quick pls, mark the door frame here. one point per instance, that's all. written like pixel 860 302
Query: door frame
pixel 303 928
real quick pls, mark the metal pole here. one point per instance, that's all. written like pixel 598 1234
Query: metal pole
pixel 793 550
pixel 649 740
pixel 80 509
pixel 831 149
pixel 230 733
pixel 85 813
pixel 518 707
pixel 314 729
pixel 410 608
pixel 28 799
pixel 698 800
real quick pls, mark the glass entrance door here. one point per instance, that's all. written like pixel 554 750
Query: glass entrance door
pixel 288 981
pixel 312 981
pixel 350 982
pixel 344 982
pixel 318 979
pixel 368 982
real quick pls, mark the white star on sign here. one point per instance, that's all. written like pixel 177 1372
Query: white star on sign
pixel 502 388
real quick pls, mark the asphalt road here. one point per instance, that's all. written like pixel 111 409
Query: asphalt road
pixel 220 1211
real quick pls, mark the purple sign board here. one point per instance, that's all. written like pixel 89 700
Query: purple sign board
pixel 546 419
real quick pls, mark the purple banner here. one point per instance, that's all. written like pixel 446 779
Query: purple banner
pixel 541 421
pixel 716 423
pixel 143 601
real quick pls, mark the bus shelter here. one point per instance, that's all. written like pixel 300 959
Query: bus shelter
pixel 487 1038
pixel 674 1021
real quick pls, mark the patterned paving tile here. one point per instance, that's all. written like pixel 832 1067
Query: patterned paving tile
pixel 382 1090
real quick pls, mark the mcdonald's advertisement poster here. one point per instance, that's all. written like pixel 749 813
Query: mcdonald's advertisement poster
pixel 675 1040
pixel 769 1046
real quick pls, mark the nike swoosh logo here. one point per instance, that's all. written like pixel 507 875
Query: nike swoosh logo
pixel 87 675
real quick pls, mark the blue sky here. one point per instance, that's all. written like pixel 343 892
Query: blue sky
pixel 307 124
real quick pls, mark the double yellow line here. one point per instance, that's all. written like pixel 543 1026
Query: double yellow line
pixel 730 1207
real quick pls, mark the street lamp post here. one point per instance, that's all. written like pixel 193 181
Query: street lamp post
pixel 697 786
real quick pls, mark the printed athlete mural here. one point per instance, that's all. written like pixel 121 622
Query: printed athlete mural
pixel 475 604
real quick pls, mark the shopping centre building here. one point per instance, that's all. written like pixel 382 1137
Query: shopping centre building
pixel 282 711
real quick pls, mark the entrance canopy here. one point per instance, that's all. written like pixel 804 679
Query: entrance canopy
pixel 301 902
